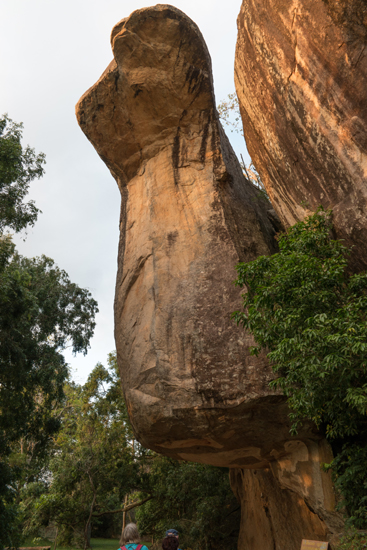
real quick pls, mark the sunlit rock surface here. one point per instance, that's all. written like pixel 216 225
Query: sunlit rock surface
pixel 188 216
pixel 301 79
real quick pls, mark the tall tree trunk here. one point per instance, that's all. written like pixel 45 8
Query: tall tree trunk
pixel 87 530
pixel 124 516
pixel 55 541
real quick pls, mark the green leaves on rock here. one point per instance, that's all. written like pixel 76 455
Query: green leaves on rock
pixel 309 314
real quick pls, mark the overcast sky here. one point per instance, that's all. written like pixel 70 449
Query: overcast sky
pixel 51 52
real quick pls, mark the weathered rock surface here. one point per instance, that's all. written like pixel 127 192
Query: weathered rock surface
pixel 187 217
pixel 301 79
pixel 291 500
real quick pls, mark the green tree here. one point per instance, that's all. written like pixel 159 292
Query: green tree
pixel 309 313
pixel 41 313
pixel 196 499
pixel 95 462
pixel 18 168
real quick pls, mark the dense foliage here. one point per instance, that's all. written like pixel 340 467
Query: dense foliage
pixel 195 499
pixel 353 540
pixel 306 310
pixel 41 313
pixel 93 464
pixel 96 469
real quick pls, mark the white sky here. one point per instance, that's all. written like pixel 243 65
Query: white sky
pixel 51 52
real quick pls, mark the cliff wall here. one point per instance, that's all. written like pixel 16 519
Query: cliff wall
pixel 188 215
pixel 301 78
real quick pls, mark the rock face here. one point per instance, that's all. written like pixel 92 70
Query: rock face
pixel 188 215
pixel 290 500
pixel 301 79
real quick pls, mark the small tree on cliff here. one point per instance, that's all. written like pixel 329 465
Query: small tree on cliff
pixel 230 116
pixel 310 315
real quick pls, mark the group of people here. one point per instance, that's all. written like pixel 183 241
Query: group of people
pixel 130 539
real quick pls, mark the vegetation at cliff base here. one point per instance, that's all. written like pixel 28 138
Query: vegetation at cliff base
pixel 92 464
pixel 353 540
pixel 195 499
pixel 96 469
pixel 309 314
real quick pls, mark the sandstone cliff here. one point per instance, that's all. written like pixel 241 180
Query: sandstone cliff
pixel 301 80
pixel 187 217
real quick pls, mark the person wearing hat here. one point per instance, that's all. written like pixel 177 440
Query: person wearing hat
pixel 170 542
pixel 172 533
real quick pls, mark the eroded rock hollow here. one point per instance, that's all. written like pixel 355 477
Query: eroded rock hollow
pixel 301 80
pixel 188 215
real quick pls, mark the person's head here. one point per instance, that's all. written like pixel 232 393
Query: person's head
pixel 172 533
pixel 130 534
pixel 170 542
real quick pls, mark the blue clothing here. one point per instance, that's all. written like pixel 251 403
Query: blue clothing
pixel 133 545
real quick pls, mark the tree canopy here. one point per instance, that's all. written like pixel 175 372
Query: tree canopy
pixel 41 312
pixel 19 166
pixel 195 499
pixel 93 462
pixel 97 469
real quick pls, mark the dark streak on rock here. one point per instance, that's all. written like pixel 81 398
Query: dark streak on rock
pixel 193 77
pixel 176 155
pixel 204 140
pixel 172 238
pixel 117 75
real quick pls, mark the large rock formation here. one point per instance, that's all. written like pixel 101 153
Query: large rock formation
pixel 301 79
pixel 188 215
